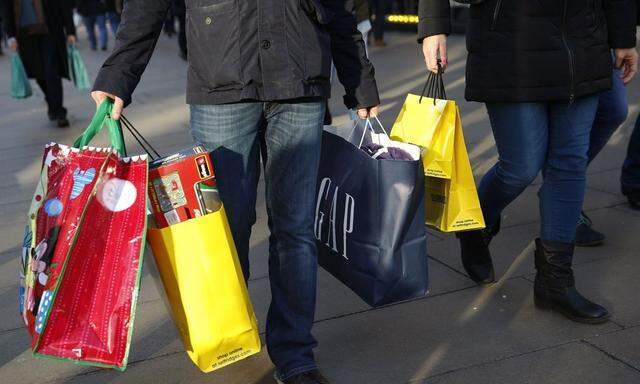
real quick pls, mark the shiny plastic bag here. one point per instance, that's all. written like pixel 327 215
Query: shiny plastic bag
pixel 82 251
pixel 20 86
pixel 205 287
pixel 77 69
pixel 429 121
pixel 453 205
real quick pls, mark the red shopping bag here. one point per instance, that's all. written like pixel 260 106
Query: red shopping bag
pixel 82 251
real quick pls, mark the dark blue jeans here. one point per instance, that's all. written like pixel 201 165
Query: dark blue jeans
pixel 90 23
pixel 552 137
pixel 293 138
pixel 630 179
pixel 612 112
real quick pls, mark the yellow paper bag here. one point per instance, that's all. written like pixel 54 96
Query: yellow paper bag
pixel 205 287
pixel 430 125
pixel 453 205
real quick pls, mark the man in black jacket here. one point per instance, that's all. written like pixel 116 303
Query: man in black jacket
pixel 539 67
pixel 250 61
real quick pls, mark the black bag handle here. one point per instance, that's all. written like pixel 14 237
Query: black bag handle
pixel 146 146
pixel 434 86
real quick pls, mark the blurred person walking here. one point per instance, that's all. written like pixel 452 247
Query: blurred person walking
pixel 40 31
pixel 247 65
pixel 180 12
pixel 630 178
pixel 379 9
pixel 93 14
pixel 612 112
pixel 539 67
pixel 113 9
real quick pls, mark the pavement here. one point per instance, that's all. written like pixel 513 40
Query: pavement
pixel 458 333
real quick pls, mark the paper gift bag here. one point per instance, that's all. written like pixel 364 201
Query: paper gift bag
pixel 82 250
pixel 369 223
pixel 205 287
pixel 453 205
pixel 430 123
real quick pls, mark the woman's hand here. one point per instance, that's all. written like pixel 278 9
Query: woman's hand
pixel 627 59
pixel 434 48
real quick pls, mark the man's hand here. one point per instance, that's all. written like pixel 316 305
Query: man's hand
pixel 627 59
pixel 365 113
pixel 71 40
pixel 13 44
pixel 118 104
pixel 434 48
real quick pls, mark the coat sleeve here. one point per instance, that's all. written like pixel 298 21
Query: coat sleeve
pixel 355 71
pixel 137 35
pixel 8 18
pixel 621 22
pixel 434 18
pixel 67 14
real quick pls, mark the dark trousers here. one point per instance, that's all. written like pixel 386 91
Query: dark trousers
pixel 379 9
pixel 182 33
pixel 631 169
pixel 51 82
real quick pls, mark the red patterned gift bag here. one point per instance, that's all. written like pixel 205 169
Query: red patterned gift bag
pixel 82 251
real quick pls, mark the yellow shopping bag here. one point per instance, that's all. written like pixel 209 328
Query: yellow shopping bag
pixel 203 280
pixel 453 205
pixel 429 123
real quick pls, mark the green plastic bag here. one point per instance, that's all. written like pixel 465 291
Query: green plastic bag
pixel 20 86
pixel 77 70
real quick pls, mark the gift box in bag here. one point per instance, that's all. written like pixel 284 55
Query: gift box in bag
pixel 82 251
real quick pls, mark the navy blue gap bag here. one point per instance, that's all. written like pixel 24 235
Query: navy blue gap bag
pixel 369 223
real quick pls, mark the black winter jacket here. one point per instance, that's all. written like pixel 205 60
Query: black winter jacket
pixel 537 50
pixel 264 50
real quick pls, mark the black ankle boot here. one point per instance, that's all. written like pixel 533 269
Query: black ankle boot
pixel 476 258
pixel 555 286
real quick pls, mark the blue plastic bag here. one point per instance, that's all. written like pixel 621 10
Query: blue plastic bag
pixel 20 86
pixel 77 70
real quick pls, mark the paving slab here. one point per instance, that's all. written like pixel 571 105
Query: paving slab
pixel 435 335
pixel 622 345
pixel 571 363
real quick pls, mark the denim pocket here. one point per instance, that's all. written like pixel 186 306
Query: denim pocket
pixel 213 38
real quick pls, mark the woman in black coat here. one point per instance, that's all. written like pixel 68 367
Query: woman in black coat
pixel 539 67
pixel 40 31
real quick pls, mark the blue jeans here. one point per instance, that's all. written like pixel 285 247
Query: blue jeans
pixel 114 21
pixel 630 178
pixel 90 23
pixel 612 112
pixel 552 137
pixel 293 136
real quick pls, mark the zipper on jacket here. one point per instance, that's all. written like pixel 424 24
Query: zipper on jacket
pixel 496 14
pixel 565 42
